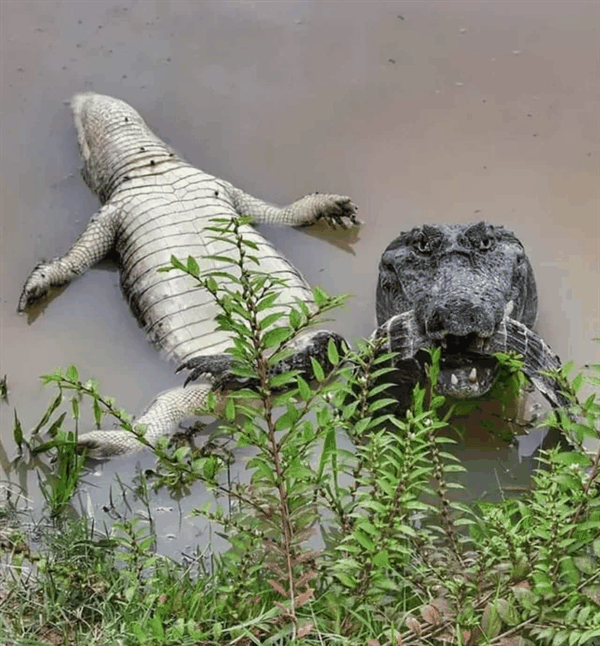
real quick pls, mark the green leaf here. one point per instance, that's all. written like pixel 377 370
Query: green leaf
pixel 525 597
pixel 437 401
pixel 329 450
pixel 230 409
pixel 295 319
pixel 491 623
pixel 277 381
pixel 364 540
pixel 381 403
pixel 177 263
pixel 250 243
pixel 212 285
pixel 56 425
pixel 320 296
pixel 332 353
pixel 345 579
pixel 192 267
pixel 585 564
pixel 75 407
pixel 222 259
pixel 318 373
pixel 508 613
pixel 276 336
pixel 268 320
pixel 381 559
pixel 303 388
pixel 362 425
pixel 97 412
pixel 579 459
pixel 72 373
pixel 17 430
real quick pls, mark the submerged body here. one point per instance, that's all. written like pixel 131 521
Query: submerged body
pixel 156 205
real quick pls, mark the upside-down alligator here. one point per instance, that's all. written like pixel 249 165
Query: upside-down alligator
pixel 469 288
pixel 156 205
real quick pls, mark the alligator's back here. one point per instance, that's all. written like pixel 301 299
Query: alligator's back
pixel 163 206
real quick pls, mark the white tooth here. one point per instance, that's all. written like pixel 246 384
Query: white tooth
pixel 473 375
pixel 444 343
pixel 454 380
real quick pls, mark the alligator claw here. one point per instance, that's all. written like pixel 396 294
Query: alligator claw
pixel 35 288
pixel 206 367
pixel 339 211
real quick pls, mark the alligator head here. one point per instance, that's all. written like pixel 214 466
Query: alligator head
pixel 468 288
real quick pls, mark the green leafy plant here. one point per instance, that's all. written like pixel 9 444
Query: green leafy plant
pixel 348 532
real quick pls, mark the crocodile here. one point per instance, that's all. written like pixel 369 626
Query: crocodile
pixel 469 289
pixel 155 205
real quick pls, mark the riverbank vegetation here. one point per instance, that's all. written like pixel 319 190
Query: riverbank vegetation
pixel 347 533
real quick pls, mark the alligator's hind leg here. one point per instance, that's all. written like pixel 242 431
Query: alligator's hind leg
pixel 162 417
pixel 92 245
pixel 334 209
pixel 173 406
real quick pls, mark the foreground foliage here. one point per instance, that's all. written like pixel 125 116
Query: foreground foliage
pixel 347 533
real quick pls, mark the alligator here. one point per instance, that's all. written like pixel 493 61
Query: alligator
pixel 470 289
pixel 155 205
pixel 467 288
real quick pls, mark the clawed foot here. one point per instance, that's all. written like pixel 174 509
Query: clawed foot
pixel 335 210
pixel 36 288
pixel 338 210
pixel 207 367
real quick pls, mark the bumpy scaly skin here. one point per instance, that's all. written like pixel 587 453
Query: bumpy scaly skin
pixel 401 334
pixel 157 205
pixel 469 288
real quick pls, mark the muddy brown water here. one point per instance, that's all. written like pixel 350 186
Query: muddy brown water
pixel 421 111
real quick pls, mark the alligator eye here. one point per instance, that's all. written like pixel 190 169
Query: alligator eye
pixel 422 245
pixel 485 244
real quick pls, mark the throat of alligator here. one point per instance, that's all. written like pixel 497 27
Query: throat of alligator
pixel 467 370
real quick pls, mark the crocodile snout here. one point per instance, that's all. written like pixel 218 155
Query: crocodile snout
pixel 459 318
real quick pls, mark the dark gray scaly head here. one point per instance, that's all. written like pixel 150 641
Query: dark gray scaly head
pixel 460 282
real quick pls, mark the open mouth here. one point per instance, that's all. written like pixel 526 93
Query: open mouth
pixel 466 369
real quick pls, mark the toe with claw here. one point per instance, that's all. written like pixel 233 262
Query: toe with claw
pixel 338 211
pixel 207 367
pixel 35 288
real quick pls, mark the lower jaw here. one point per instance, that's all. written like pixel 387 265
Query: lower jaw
pixel 466 382
pixel 465 375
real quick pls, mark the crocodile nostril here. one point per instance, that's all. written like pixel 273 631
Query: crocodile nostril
pixel 437 322
pixel 459 318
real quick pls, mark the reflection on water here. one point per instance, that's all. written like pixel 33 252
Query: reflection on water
pixel 429 111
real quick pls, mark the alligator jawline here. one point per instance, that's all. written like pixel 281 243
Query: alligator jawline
pixel 467 370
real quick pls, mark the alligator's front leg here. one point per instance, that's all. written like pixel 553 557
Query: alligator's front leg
pixel 92 245
pixel 311 345
pixel 162 417
pixel 334 209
